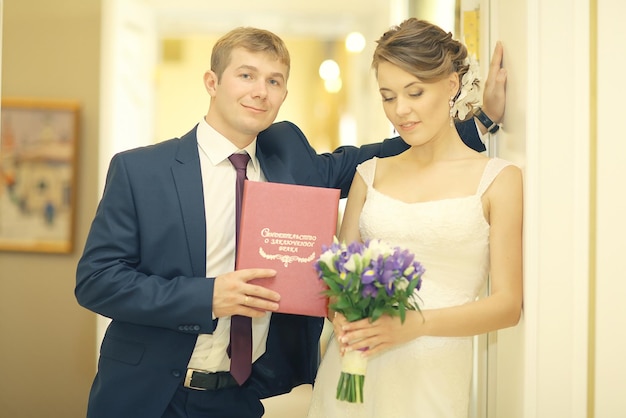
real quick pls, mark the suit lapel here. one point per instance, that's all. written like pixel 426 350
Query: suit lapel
pixel 188 180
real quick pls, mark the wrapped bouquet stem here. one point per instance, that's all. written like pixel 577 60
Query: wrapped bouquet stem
pixel 367 280
pixel 352 377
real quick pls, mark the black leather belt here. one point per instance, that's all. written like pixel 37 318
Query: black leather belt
pixel 201 380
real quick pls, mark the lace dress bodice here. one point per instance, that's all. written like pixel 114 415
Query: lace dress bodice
pixel 437 232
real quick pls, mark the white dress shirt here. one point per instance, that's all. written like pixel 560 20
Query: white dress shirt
pixel 218 180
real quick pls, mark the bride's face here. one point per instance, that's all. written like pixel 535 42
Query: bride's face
pixel 419 111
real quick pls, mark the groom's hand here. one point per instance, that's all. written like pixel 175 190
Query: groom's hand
pixel 494 91
pixel 233 295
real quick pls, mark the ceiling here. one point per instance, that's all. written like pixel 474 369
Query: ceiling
pixel 320 18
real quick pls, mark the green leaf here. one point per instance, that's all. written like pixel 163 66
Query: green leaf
pixel 412 285
pixel 363 303
pixel 378 312
pixel 353 315
pixel 334 287
pixel 402 314
pixel 343 303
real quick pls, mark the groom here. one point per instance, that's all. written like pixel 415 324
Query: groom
pixel 159 256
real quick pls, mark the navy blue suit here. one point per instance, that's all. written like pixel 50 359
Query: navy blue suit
pixel 144 266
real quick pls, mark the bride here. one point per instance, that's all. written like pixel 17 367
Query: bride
pixel 457 210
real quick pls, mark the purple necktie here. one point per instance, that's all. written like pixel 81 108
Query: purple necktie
pixel 240 326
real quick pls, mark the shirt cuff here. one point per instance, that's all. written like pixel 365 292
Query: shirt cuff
pixel 481 136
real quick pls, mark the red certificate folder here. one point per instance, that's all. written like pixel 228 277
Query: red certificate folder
pixel 283 227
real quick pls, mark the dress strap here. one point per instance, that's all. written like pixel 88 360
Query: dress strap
pixel 367 170
pixel 492 169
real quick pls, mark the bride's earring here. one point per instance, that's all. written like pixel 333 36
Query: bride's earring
pixel 451 104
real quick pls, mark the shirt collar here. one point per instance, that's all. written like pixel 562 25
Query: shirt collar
pixel 217 148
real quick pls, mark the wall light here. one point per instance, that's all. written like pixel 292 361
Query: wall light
pixel 333 85
pixel 355 42
pixel 330 73
pixel 329 70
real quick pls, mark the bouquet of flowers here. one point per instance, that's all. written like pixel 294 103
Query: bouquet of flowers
pixel 367 280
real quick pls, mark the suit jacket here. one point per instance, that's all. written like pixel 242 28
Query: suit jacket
pixel 144 261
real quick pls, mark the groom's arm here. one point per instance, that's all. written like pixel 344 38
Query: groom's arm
pixel 468 131
pixel 286 142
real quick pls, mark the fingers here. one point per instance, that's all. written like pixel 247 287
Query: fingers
pixel 248 274
pixel 497 74
pixel 358 325
pixel 369 342
pixel 233 295
pixel 258 304
pixel 497 66
pixel 358 335
pixel 249 289
pixel 494 93
pixel 338 321
pixel 496 59
pixel 254 290
pixel 371 337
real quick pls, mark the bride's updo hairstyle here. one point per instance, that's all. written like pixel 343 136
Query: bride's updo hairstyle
pixel 421 49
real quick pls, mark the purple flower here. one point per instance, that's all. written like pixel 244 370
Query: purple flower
pixel 341 260
pixel 368 276
pixel 369 290
pixel 355 248
pixel 405 258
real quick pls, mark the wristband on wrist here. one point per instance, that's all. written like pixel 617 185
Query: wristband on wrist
pixel 491 126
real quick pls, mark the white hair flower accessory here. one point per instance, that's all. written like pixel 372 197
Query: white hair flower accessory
pixel 468 95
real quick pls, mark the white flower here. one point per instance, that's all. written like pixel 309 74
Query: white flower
pixel 402 283
pixel 469 94
pixel 328 258
pixel 353 264
pixel 378 247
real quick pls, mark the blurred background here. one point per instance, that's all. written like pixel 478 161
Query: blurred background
pixel 135 69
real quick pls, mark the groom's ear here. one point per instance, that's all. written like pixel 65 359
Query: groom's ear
pixel 211 80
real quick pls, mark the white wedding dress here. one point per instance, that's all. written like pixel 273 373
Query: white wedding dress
pixel 428 377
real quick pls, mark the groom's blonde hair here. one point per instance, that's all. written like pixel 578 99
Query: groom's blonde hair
pixel 251 39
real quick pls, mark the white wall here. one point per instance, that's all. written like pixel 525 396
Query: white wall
pixel 610 305
pixel 557 221
pixel 572 337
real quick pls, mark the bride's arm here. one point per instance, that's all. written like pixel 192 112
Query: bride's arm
pixel 348 233
pixel 349 230
pixel 501 309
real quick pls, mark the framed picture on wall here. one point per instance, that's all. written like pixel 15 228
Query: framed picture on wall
pixel 38 159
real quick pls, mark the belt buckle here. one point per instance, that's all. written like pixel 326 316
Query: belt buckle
pixel 188 377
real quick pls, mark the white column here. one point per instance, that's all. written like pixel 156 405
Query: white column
pixel 127 76
pixel 610 313
pixel 557 209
